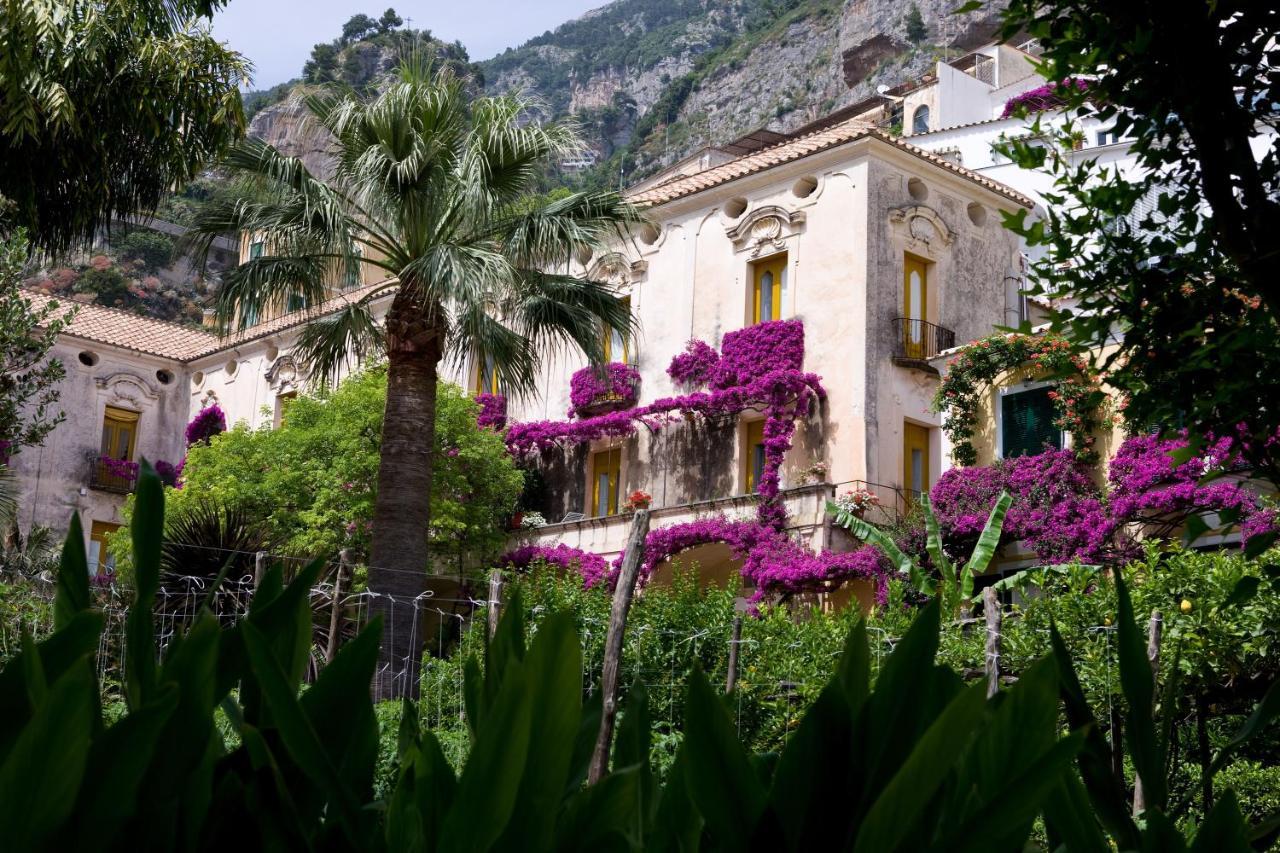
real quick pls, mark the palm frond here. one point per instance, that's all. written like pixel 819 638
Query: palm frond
pixel 556 310
pixel 330 343
pixel 8 497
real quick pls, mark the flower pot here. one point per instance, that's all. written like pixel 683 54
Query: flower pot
pixel 517 520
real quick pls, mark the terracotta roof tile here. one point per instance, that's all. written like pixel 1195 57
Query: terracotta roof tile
pixel 798 148
pixel 172 341
pixel 127 330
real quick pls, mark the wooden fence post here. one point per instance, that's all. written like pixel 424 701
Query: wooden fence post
pixel 259 568
pixel 1154 628
pixel 495 600
pixel 736 640
pixel 335 609
pixel 991 609
pixel 613 642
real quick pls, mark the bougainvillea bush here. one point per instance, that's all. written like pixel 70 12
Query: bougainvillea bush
pixel 693 367
pixel 764 360
pixel 493 411
pixel 613 385
pixel 1077 399
pixel 1062 514
pixel 750 353
pixel 1050 96
pixel 207 423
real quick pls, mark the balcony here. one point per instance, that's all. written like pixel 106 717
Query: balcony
pixel 915 342
pixel 607 536
pixel 113 475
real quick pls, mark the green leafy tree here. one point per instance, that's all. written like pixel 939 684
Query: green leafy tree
pixel 357 27
pixel 105 107
pixel 312 481
pixel 389 21
pixel 322 66
pixel 1180 253
pixel 428 191
pixel 153 249
pixel 108 286
pixel 28 377
pixel 913 21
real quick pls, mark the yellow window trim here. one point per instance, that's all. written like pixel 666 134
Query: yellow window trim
pixel 777 265
pixel 117 422
pixel 753 437
pixel 608 462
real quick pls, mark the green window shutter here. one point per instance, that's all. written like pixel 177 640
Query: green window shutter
pixel 1026 423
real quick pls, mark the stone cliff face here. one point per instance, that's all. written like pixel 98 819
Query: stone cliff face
pixel 722 72
pixel 651 81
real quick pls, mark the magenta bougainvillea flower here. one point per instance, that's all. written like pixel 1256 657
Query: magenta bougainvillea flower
pixel 614 386
pixel 1050 96
pixel 207 423
pixel 693 367
pixel 493 411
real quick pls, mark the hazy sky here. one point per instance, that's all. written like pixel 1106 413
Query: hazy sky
pixel 277 35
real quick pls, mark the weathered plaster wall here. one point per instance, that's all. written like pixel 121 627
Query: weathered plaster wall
pixel 54 480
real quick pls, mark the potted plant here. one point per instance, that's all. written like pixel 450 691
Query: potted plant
pixel 637 500
pixel 815 473
pixel 857 501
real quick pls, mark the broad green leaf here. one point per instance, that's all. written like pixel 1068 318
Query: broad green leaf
pixel 506 648
pixel 584 744
pixel 871 535
pixel 69 647
pixel 147 530
pixel 1138 686
pixel 933 542
pixel 340 709
pixel 409 731
pixel 718 771
pixel 853 672
pixel 1070 821
pixel 73 577
pixel 553 669
pixel 487 790
pixel 815 771
pixel 1244 591
pixel 1108 796
pixel 45 768
pixel 118 761
pixel 296 732
pixel 677 825
pixel 602 816
pixel 1223 830
pixel 988 542
pixel 898 805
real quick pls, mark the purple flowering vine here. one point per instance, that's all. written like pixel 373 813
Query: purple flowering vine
pixel 493 411
pixel 694 367
pixel 610 386
pixel 1050 96
pixel 207 423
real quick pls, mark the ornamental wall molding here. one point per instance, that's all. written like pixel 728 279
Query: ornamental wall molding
pixel 922 225
pixel 615 269
pixel 285 374
pixel 765 230
pixel 127 390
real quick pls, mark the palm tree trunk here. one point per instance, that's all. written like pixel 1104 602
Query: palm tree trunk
pixel 400 556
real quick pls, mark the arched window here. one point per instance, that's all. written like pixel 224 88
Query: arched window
pixel 920 120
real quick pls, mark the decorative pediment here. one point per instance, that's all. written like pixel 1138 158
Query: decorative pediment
pixel 923 225
pixel 127 390
pixel 614 268
pixel 765 229
pixel 285 374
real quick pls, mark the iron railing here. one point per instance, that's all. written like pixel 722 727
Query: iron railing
pixel 916 341
pixel 114 475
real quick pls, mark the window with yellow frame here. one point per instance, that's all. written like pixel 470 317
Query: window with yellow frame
pixel 100 559
pixel 283 401
pixel 119 433
pixel 486 377
pixel 606 480
pixel 616 345
pixel 752 455
pixel 768 287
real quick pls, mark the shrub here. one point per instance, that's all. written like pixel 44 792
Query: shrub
pixel 153 249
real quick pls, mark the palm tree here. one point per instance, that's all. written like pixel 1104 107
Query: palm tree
pixel 433 190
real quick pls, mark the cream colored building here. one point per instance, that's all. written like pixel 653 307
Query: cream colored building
pixel 861 229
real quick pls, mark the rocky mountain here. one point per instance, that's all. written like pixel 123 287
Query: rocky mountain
pixel 654 80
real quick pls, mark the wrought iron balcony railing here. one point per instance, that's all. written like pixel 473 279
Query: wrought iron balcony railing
pixel 114 475
pixel 916 341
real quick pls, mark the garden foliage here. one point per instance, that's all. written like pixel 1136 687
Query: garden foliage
pixel 919 761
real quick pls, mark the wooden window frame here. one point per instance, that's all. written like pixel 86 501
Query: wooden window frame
pixel 1013 391
pixel 98 533
pixel 776 264
pixel 752 446
pixel 123 419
